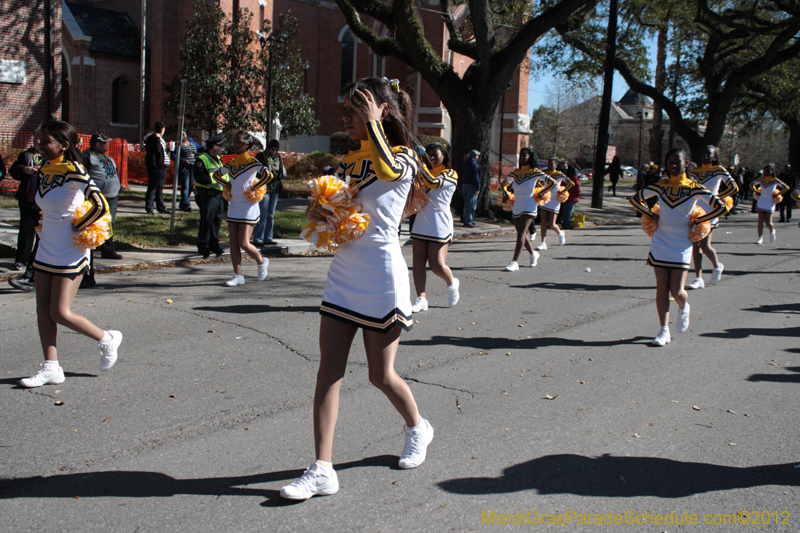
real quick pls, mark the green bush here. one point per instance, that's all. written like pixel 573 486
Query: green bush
pixel 312 165
pixel 341 143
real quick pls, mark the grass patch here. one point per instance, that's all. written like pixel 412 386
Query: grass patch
pixel 148 231
pixel 131 195
pixel 8 202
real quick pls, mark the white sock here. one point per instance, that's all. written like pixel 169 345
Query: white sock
pixel 419 426
pixel 51 365
pixel 106 338
pixel 324 466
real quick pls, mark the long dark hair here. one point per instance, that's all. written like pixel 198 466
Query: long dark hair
pixel 397 123
pixel 64 133
pixel 532 159
pixel 441 148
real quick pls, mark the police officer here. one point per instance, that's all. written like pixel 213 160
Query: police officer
pixel 208 195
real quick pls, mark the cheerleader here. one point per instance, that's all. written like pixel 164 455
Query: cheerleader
pixel 433 227
pixel 524 180
pixel 63 186
pixel 551 208
pixel 367 284
pixel 716 179
pixel 766 190
pixel 670 248
pixel 242 176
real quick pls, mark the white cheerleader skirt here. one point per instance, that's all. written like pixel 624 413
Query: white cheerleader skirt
pixel 671 247
pixel 242 211
pixel 368 286
pixel 553 205
pixel 56 254
pixel 524 205
pixel 433 224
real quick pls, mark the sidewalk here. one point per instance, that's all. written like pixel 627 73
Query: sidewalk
pixel 616 210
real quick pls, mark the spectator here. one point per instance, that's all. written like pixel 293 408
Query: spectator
pixel 187 151
pixel 103 171
pixel 614 170
pixel 156 161
pixel 565 215
pixel 747 179
pixel 208 196
pixel 470 177
pixel 25 170
pixel 790 179
pixel 263 232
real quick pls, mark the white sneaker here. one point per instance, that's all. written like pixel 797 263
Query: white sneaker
pixel 662 339
pixel 421 304
pixel 534 258
pixel 542 246
pixel 44 376
pixel 234 281
pixel 453 291
pixel 262 270
pixel 772 236
pixel 512 266
pixel 717 274
pixel 696 284
pixel 562 238
pixel 683 319
pixel 760 240
pixel 312 482
pixel 108 351
pixel 416 445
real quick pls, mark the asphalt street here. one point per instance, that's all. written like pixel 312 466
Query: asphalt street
pixel 543 389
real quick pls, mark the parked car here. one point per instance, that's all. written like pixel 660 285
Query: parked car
pixel 588 173
pixel 628 172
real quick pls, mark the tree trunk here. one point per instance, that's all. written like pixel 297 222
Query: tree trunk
pixel 471 132
pixel 794 143
pixel 657 134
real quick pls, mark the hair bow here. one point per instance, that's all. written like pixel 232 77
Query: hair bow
pixel 394 84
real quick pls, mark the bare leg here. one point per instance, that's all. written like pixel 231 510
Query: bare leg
pixel 437 253
pixel 521 224
pixel 760 226
pixel 697 257
pixel 677 281
pixel 335 340
pixel 552 220
pixel 236 251
pixel 381 350
pixel 768 222
pixel 662 294
pixel 545 225
pixel 709 251
pixel 419 252
pixel 48 328
pixel 245 230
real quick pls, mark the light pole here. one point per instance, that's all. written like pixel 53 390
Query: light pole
pixel 640 114
pixel 271 43
pixel 500 149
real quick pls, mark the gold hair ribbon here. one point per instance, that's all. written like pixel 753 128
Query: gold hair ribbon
pixel 394 84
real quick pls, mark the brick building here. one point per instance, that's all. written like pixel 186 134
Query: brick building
pixel 101 57
pixel 30 44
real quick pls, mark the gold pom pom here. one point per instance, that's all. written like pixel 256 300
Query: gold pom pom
pixel 343 223
pixel 540 198
pixel 506 204
pixel 728 201
pixel 698 232
pixel 226 193
pixel 95 233
pixel 648 224
pixel 777 198
pixel 563 195
pixel 255 195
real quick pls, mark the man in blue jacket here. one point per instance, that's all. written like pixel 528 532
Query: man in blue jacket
pixel 469 176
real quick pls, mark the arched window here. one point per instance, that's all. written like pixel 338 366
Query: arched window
pixel 122 108
pixel 348 59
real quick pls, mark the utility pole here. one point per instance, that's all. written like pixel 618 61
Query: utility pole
pixel 605 109
pixel 142 45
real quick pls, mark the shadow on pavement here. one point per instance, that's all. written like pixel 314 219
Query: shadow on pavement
pixel 128 484
pixel 742 333
pixel 778 378
pixel 580 287
pixel 622 477
pixel 486 343
pixel 782 308
pixel 257 308
pixel 15 381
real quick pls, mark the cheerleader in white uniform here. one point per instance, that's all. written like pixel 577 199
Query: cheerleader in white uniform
pixel 63 186
pixel 551 208
pixel 670 248
pixel 524 180
pixel 433 227
pixel 765 190
pixel 716 179
pixel 243 173
pixel 367 285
